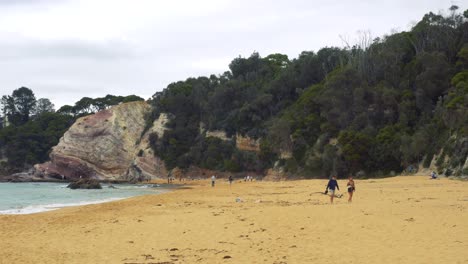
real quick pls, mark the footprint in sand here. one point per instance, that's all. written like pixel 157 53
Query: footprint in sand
pixel 147 256
pixel 223 242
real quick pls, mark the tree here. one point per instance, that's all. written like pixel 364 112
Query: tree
pixel 241 66
pixel 19 106
pixel 44 105
pixel 25 101
pixel 31 142
pixel 7 105
pixel 132 98
pixel 356 148
pixel 83 106
pixel 432 80
pixel 66 110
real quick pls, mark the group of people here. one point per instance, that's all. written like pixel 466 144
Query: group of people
pixel 333 185
pixel 230 179
pixel 248 178
pixel 213 180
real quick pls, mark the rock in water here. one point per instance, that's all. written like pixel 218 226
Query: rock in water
pixel 85 184
pixel 108 145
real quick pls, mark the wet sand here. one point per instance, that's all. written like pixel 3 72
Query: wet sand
pixel 394 220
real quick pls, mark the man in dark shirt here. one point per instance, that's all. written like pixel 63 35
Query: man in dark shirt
pixel 332 185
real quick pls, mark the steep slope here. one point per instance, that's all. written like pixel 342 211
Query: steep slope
pixel 108 146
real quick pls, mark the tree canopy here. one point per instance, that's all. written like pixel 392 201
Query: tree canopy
pixel 374 107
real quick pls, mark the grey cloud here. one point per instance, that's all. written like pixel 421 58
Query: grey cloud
pixel 30 48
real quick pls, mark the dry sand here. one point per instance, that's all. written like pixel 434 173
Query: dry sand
pixel 393 220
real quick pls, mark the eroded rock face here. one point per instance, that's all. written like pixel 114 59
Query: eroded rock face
pixel 275 174
pixel 247 143
pixel 108 145
pixel 218 134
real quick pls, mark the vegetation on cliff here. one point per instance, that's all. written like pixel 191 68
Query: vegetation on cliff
pixel 35 127
pixel 379 106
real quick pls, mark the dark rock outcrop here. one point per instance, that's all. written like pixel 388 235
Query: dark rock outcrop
pixel 85 184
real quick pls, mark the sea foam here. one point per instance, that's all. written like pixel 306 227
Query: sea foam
pixel 31 209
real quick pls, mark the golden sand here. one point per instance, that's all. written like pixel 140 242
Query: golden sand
pixel 393 220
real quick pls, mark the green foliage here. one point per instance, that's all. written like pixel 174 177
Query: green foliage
pixel 428 159
pixel 440 160
pixel 356 148
pixel 455 102
pixel 460 77
pixel 267 154
pixel 44 105
pixel 87 105
pixel 462 56
pixel 384 100
pixel 30 143
pixel 19 106
pixel 291 165
pixel 386 153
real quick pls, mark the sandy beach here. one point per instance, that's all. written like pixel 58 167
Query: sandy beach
pixel 395 220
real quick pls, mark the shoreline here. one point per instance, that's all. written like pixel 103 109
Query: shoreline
pixel 54 203
pixel 164 187
pixel 37 209
pixel 391 220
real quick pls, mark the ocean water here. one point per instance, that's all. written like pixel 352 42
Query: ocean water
pixel 28 198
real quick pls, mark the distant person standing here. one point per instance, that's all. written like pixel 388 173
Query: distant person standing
pixel 331 186
pixel 230 180
pixel 433 175
pixel 213 179
pixel 351 188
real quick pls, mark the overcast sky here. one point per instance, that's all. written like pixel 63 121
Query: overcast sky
pixel 67 49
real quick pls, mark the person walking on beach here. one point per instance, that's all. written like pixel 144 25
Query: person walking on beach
pixel 230 180
pixel 351 188
pixel 213 179
pixel 331 186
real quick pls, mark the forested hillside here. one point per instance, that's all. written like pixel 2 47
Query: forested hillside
pixel 377 107
pixel 374 108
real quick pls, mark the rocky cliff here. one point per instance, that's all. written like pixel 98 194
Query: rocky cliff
pixel 108 145
pixel 247 144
